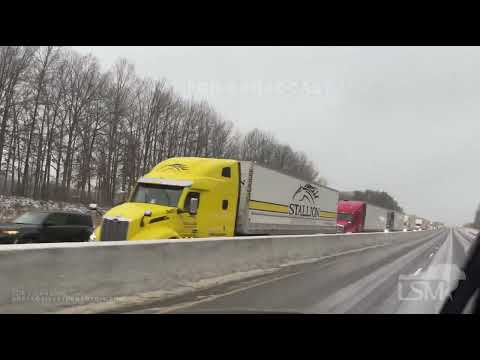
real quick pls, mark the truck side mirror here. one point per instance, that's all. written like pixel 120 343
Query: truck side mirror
pixel 146 213
pixel 193 206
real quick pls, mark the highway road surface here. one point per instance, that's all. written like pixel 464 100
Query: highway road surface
pixel 362 282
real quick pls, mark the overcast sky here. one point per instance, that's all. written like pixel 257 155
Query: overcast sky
pixel 401 119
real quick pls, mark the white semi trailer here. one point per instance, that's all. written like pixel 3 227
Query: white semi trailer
pixel 418 224
pixel 274 203
pixel 398 218
pixel 375 218
pixel 409 222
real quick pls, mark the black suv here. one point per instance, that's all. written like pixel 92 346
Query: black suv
pixel 47 227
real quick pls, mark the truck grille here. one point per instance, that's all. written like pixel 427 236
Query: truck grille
pixel 114 230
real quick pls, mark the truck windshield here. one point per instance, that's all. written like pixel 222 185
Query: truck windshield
pixel 31 218
pixel 157 194
pixel 344 216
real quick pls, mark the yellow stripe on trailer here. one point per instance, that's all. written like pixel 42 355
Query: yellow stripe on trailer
pixel 278 208
pixel 328 214
pixel 260 205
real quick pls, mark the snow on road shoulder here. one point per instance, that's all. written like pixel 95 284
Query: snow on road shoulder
pixel 13 206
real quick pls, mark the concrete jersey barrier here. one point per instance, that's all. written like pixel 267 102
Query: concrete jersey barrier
pixel 39 278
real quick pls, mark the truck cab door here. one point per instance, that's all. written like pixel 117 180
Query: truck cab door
pixel 360 221
pixel 188 220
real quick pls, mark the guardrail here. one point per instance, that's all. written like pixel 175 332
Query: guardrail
pixel 38 278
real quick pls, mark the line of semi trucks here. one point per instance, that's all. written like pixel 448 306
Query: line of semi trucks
pixel 359 216
pixel 188 197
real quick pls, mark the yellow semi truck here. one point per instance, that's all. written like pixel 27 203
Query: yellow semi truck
pixel 189 197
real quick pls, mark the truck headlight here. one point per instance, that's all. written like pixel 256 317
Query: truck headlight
pixel 11 232
pixel 92 237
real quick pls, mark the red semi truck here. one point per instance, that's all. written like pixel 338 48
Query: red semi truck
pixel 359 216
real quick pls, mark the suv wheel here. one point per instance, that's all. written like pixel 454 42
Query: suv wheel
pixel 23 241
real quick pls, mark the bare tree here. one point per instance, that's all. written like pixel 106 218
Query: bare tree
pixel 70 131
pixel 14 63
pixel 42 63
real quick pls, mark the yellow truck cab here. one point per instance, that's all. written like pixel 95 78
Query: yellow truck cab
pixel 179 198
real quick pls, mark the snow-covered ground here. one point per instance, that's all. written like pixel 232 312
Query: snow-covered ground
pixel 13 206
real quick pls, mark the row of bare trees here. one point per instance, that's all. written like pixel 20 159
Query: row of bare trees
pixel 379 198
pixel 69 131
